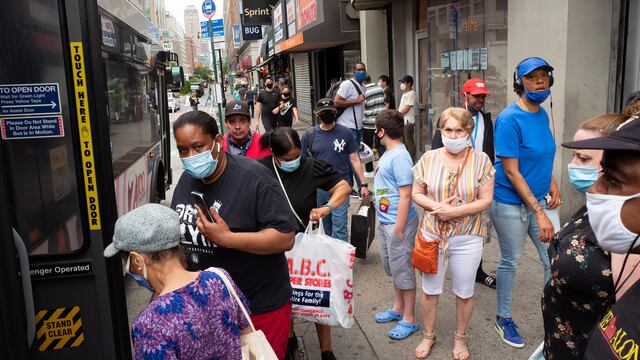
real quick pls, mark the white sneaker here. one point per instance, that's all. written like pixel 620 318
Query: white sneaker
pixel 369 174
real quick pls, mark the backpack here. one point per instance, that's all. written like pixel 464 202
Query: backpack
pixel 333 91
pixel 310 134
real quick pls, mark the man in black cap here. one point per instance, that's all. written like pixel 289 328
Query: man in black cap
pixel 613 205
pixel 408 105
pixel 240 139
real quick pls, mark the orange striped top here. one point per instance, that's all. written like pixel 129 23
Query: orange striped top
pixel 430 170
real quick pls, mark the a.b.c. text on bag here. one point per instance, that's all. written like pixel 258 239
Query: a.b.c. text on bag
pixel 321 273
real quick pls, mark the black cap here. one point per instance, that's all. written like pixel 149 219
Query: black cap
pixel 236 107
pixel 407 79
pixel 626 137
pixel 325 104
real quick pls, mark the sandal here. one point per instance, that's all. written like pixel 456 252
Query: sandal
pixel 425 336
pixel 403 330
pixel 387 316
pixel 465 352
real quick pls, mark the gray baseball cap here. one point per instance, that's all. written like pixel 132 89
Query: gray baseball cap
pixel 149 228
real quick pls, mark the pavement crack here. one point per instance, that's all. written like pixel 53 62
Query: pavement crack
pixel 366 337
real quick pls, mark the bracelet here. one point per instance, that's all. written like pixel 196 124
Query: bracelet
pixel 328 204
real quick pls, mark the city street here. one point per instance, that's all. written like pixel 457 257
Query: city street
pixel 372 288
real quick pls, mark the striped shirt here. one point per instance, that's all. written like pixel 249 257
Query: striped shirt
pixel 373 104
pixel 440 181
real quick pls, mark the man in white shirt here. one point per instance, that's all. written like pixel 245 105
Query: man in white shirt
pixel 408 105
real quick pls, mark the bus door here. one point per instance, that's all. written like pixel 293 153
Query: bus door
pixel 56 188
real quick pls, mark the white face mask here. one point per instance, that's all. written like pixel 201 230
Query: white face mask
pixel 454 145
pixel 604 217
pixel 403 87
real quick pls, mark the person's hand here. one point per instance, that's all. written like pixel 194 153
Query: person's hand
pixel 364 192
pixel 398 232
pixel 360 99
pixel 545 226
pixel 554 191
pixel 445 211
pixel 318 213
pixel 275 110
pixel 217 232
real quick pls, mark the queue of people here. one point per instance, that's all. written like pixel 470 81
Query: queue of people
pixel 477 176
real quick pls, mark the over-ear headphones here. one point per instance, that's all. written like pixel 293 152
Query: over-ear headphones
pixel 517 82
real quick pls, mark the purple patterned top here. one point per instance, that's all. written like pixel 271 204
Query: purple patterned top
pixel 198 321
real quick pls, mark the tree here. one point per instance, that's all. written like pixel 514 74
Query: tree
pixel 203 73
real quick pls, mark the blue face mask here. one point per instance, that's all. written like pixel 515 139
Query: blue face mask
pixel 290 166
pixel 140 280
pixel 582 177
pixel 537 97
pixel 200 166
pixel 360 75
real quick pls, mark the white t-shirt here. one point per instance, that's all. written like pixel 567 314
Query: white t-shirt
pixel 348 92
pixel 477 135
pixel 409 99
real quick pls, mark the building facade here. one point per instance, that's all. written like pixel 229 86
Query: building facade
pixel 593 47
pixel 174 33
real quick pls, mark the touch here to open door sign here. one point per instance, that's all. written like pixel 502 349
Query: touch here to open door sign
pixel 29 99
pixel 59 328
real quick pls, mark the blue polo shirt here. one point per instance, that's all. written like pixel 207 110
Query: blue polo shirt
pixel 524 136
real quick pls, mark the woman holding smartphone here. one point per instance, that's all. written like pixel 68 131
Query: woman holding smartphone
pixel 526 194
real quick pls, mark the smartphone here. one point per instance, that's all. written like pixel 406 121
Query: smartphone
pixel 200 201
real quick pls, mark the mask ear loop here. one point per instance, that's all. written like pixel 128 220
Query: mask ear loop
pixel 624 263
pixel 144 267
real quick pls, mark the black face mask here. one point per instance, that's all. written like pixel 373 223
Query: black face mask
pixel 328 117
pixel 269 86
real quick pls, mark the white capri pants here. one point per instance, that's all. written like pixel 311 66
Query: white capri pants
pixel 463 259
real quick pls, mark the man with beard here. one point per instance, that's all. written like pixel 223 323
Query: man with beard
pixel 474 94
pixel 240 139
pixel 334 144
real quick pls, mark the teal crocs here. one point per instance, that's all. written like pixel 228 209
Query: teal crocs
pixel 387 316
pixel 403 330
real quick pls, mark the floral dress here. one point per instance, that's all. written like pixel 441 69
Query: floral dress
pixel 580 289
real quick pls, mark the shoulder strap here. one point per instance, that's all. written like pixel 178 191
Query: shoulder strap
pixel 275 168
pixel 310 134
pixel 353 108
pixel 356 86
pixel 233 293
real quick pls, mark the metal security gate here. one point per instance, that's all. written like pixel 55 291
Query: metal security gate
pixel 302 78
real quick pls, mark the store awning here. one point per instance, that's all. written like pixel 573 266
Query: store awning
pixel 362 5
pixel 269 59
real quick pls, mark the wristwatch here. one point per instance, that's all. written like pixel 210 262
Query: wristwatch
pixel 364 185
pixel 328 204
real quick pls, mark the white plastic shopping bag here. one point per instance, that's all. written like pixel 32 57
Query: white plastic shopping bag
pixel 365 153
pixel 321 272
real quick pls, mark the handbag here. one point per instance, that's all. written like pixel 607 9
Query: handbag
pixel 424 256
pixel 254 345
pixel 363 228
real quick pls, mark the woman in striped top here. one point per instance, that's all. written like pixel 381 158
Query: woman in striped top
pixel 454 185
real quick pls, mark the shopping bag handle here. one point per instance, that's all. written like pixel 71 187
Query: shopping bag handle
pixel 309 229
pixel 233 293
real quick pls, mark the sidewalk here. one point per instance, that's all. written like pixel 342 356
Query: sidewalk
pixel 368 340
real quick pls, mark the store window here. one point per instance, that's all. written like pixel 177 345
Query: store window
pixel 458 40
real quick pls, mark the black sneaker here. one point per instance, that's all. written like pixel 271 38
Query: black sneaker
pixel 328 355
pixel 486 280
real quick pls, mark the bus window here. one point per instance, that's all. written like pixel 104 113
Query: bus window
pixel 133 117
pixel 41 171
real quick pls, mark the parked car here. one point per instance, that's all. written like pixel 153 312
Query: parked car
pixel 173 102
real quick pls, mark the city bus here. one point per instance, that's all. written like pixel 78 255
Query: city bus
pixel 84 138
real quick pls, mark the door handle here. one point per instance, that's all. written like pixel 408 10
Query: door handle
pixel 27 290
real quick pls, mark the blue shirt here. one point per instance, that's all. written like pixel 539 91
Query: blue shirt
pixel 524 136
pixel 394 170
pixel 333 146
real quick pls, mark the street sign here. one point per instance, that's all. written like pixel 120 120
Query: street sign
pixel 29 99
pixel 218 28
pixel 208 9
pixel 167 46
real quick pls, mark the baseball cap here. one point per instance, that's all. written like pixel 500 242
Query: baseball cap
pixel 149 228
pixel 325 104
pixel 236 107
pixel 407 79
pixel 529 64
pixel 627 137
pixel 475 86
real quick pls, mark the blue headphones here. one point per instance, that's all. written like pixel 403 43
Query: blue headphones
pixel 517 82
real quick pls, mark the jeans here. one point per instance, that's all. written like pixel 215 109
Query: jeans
pixel 335 225
pixel 512 224
pixel 357 137
pixel 409 139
